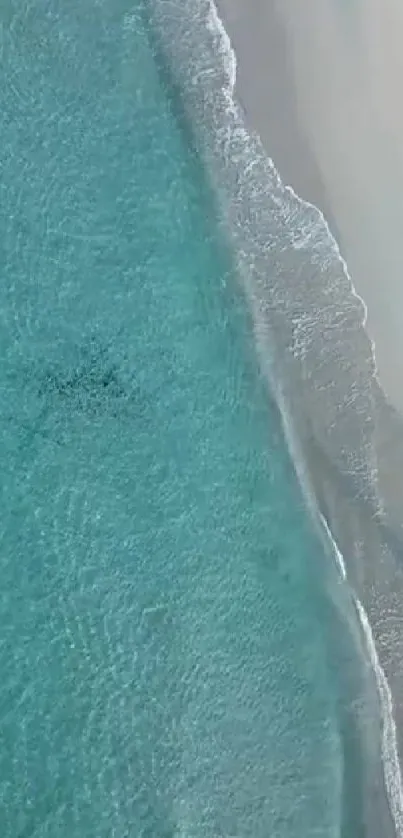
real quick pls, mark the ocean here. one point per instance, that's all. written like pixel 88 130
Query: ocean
pixel 180 653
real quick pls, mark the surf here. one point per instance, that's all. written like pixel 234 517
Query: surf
pixel 241 168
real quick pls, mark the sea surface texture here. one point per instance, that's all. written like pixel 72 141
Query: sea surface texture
pixel 168 654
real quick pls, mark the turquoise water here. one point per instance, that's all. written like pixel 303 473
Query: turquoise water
pixel 163 659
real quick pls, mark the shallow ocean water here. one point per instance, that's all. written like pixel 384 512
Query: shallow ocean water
pixel 165 663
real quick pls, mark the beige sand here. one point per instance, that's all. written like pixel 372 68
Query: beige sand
pixel 322 81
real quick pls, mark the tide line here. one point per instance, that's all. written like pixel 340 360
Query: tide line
pixel 390 754
pixel 392 771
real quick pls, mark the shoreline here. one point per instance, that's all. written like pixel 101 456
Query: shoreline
pixel 314 351
pixel 305 180
pixel 286 76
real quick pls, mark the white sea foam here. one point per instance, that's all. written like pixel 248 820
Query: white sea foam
pixel 392 772
pixel 337 553
pixel 216 26
pixel 393 776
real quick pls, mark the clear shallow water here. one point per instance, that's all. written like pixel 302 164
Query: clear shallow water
pixel 164 661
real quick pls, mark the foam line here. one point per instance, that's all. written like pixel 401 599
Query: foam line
pixel 337 553
pixel 392 772
pixel 393 776
pixel 227 52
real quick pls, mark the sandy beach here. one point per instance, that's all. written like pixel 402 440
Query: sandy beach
pixel 319 82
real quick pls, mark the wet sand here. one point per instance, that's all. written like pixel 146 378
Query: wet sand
pixel 319 82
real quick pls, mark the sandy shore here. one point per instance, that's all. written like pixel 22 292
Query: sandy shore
pixel 319 81
pixel 319 85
